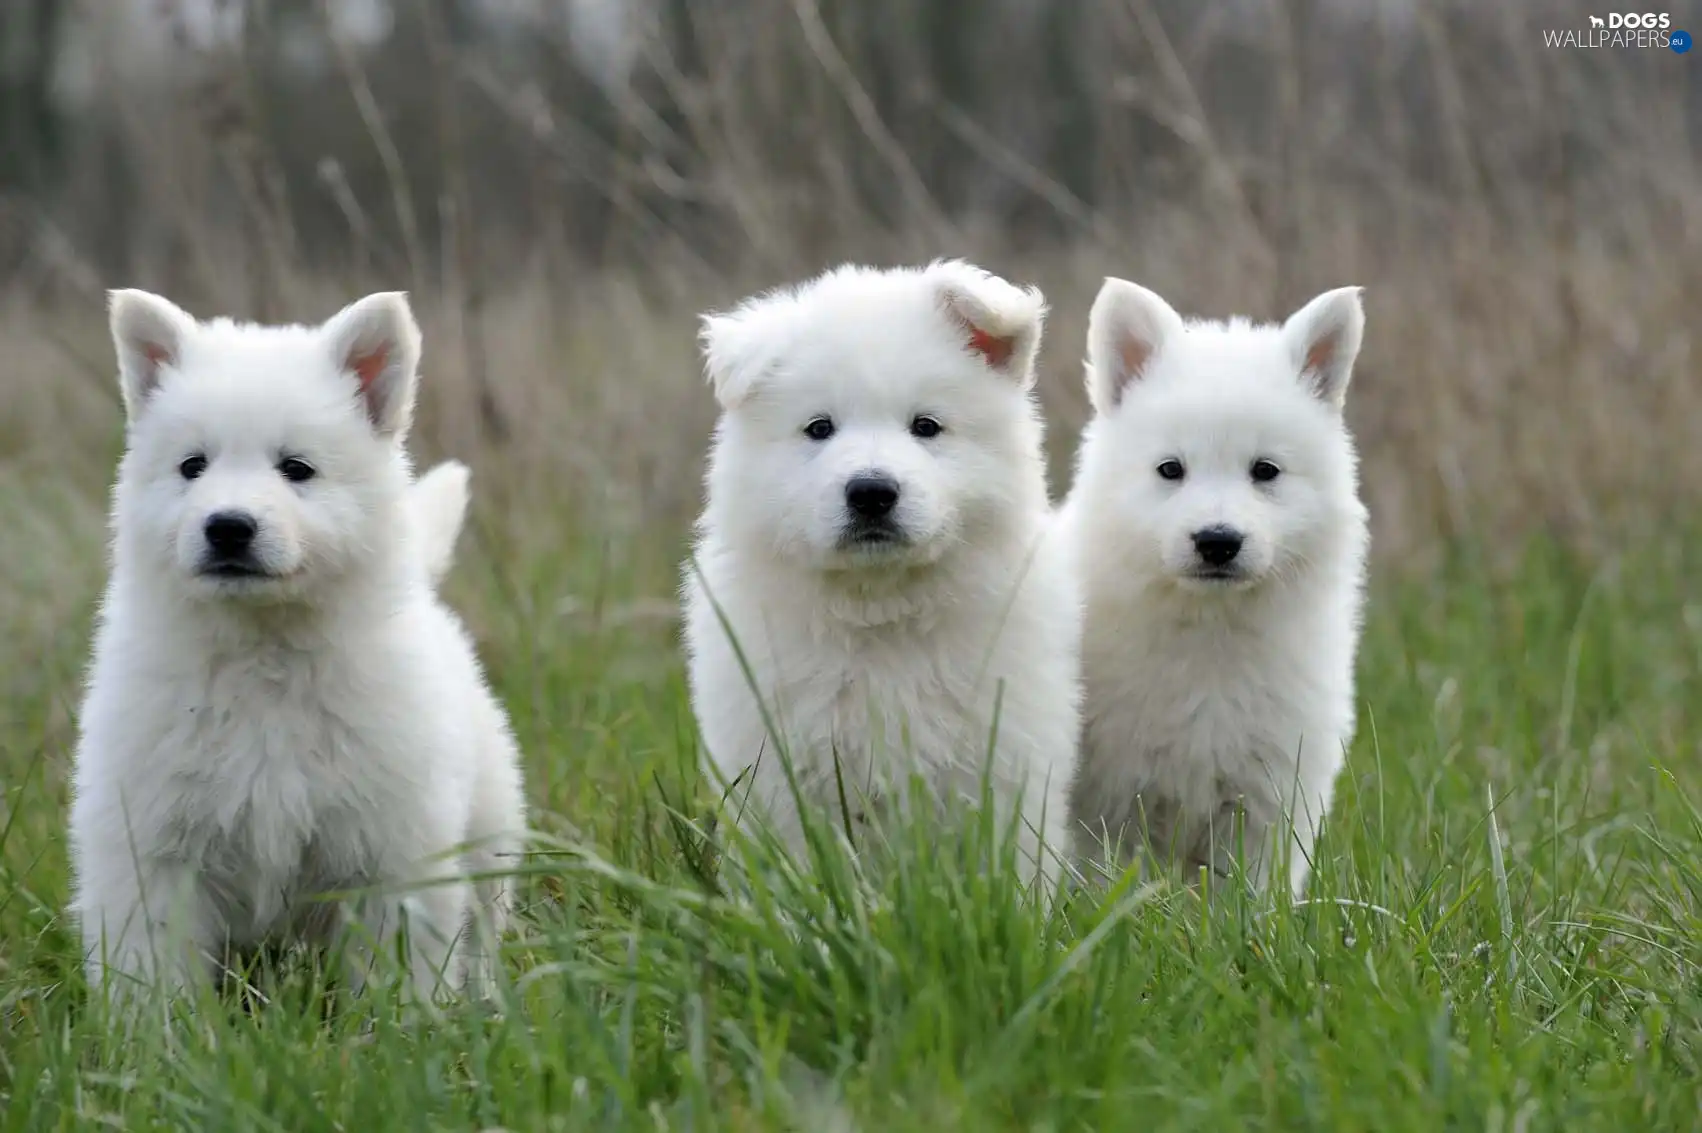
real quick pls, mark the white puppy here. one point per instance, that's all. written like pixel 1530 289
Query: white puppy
pixel 876 537
pixel 278 704
pixel 1222 550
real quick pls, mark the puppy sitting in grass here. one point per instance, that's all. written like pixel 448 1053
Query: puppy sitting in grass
pixel 279 706
pixel 875 592
pixel 1221 543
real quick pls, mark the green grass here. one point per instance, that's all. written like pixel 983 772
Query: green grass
pixel 1531 967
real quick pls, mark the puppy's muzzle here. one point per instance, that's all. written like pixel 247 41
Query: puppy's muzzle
pixel 230 536
pixel 1216 549
pixel 870 500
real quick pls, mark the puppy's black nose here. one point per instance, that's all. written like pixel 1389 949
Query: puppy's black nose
pixel 871 496
pixel 229 533
pixel 1217 546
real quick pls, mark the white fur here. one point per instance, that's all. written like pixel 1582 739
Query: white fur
pixel 438 502
pixel 250 742
pixel 891 657
pixel 1204 693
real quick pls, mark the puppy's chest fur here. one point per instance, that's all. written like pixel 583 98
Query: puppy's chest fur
pixel 270 788
pixel 1191 719
pixel 879 697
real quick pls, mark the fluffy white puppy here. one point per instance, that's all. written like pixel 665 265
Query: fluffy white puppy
pixel 876 551
pixel 1221 544
pixel 278 704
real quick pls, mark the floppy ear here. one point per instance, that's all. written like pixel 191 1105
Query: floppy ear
pixel 1001 323
pixel 1324 337
pixel 148 333
pixel 740 348
pixel 377 342
pixel 1126 329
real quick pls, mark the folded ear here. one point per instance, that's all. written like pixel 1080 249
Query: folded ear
pixel 1126 329
pixel 1324 338
pixel 1001 323
pixel 739 348
pixel 148 333
pixel 377 342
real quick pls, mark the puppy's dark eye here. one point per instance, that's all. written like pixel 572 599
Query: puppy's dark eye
pixel 296 470
pixel 1264 471
pixel 1172 470
pixel 192 466
pixel 820 429
pixel 925 427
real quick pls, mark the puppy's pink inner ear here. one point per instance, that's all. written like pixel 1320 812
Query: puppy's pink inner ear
pixel 1134 354
pixel 1320 355
pixel 367 365
pixel 156 354
pixel 997 351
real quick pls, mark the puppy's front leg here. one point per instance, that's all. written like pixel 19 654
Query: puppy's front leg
pixel 1247 829
pixel 1043 841
pixel 420 930
pixel 145 925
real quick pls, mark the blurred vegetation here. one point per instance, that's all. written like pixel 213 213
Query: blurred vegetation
pixel 752 128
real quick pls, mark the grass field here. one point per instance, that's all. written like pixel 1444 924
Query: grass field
pixel 1501 933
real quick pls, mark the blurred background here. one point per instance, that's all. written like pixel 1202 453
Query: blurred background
pixel 563 185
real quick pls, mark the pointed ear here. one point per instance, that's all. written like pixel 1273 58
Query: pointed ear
pixel 148 333
pixel 740 347
pixel 377 343
pixel 1323 338
pixel 1001 323
pixel 1126 329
